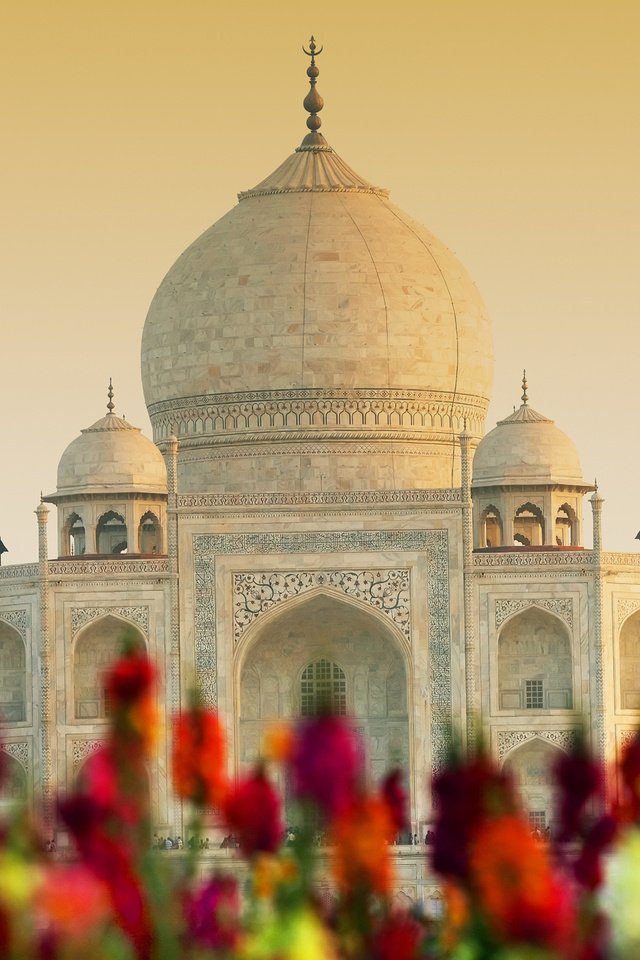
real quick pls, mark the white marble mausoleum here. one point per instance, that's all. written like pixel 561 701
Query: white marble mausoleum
pixel 322 514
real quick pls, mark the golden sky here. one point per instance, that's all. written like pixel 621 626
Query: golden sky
pixel 510 129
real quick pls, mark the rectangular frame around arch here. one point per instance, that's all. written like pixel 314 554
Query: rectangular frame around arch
pixel 432 544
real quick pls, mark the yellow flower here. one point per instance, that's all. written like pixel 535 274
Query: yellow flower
pixel 297 936
pixel 19 880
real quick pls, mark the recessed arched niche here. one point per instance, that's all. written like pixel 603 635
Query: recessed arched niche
pixel 325 648
pixel 531 767
pixel 534 663
pixel 14 790
pixel 13 675
pixel 629 648
pixel 96 649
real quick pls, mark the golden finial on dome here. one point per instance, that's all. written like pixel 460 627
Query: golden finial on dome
pixel 525 398
pixel 111 405
pixel 313 102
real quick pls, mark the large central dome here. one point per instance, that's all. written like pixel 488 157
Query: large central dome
pixel 316 337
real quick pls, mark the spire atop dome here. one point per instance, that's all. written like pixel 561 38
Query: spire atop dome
pixel 110 405
pixel 524 398
pixel 313 102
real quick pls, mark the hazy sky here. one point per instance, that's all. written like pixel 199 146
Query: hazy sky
pixel 510 129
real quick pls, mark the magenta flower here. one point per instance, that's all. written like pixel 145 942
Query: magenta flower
pixel 212 914
pixel 326 763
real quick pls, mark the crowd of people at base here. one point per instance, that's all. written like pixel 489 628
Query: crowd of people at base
pixel 230 842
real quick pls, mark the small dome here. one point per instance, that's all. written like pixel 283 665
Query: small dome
pixel 111 456
pixel 526 449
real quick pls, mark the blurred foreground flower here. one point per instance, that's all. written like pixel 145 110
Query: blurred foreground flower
pixel 199 757
pixel 326 763
pixel 253 813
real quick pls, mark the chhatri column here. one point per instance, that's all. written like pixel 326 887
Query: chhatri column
pixel 45 789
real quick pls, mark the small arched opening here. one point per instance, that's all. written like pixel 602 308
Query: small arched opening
pixel 75 541
pixel 111 533
pixel 534 663
pixel 528 526
pixel 149 534
pixel 96 649
pixel 13 675
pixel 491 527
pixel 566 524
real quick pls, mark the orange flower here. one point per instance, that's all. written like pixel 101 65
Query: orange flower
pixel 361 836
pixel 72 899
pixel 278 743
pixel 456 914
pixel 199 772
pixel 516 886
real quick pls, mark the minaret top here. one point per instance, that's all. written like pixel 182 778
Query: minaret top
pixel 313 102
pixel 110 405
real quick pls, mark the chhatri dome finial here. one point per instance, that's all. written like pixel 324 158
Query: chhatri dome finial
pixel 111 405
pixel 313 102
pixel 525 398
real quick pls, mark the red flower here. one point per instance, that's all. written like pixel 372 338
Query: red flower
pixel 199 771
pixel 253 812
pixel 326 764
pixel 395 797
pixel 109 857
pixel 130 678
pixel 397 938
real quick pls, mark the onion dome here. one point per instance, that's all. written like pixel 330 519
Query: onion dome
pixel 316 337
pixel 527 449
pixel 111 456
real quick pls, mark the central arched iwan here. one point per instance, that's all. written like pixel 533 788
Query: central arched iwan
pixel 353 644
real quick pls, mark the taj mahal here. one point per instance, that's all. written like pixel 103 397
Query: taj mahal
pixel 322 513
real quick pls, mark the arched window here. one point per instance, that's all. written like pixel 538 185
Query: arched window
pixel 528 526
pixel 323 686
pixel 96 649
pixel 565 526
pixel 13 675
pixel 534 663
pixel 491 528
pixel 149 534
pixel 112 533
pixel 630 663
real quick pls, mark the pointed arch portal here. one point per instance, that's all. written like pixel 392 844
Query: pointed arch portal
pixel 319 642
